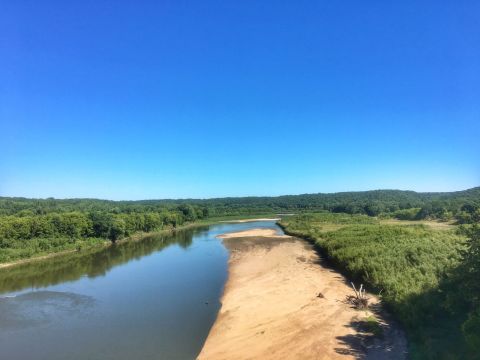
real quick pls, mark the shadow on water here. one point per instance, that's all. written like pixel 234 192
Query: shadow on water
pixel 92 263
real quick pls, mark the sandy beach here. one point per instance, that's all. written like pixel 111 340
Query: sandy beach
pixel 253 233
pixel 250 220
pixel 271 308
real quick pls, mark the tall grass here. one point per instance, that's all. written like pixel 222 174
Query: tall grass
pixel 406 263
pixel 24 249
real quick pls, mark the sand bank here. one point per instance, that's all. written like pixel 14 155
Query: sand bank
pixel 250 220
pixel 253 233
pixel 271 308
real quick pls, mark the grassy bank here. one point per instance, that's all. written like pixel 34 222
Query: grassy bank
pixel 21 251
pixel 406 263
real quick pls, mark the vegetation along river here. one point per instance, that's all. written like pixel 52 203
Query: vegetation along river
pixel 155 298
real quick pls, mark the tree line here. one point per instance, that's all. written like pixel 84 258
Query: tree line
pixel 459 205
pixel 28 233
pixel 99 224
pixel 32 226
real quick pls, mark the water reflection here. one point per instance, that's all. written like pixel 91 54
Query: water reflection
pixel 154 298
pixel 92 263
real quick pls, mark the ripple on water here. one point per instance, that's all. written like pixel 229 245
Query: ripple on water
pixel 40 308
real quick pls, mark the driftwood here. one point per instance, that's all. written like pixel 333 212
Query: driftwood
pixel 360 299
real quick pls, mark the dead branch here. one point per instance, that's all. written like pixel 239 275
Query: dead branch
pixel 360 299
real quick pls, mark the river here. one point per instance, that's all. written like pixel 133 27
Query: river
pixel 154 298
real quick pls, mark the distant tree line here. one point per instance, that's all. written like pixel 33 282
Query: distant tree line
pixel 460 205
pixel 32 226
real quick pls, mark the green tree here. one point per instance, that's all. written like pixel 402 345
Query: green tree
pixel 101 223
pixel 470 283
pixel 188 212
pixel 117 229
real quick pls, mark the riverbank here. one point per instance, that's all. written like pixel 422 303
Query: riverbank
pixel 45 256
pixel 253 232
pixel 280 302
pixel 250 220
pixel 160 295
pixel 135 237
pixel 411 263
pixel 98 245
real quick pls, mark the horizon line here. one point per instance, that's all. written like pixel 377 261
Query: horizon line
pixel 234 197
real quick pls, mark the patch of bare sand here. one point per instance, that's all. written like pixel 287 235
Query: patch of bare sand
pixel 437 225
pixel 253 233
pixel 271 309
pixel 250 220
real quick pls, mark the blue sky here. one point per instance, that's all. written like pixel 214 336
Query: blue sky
pixel 170 99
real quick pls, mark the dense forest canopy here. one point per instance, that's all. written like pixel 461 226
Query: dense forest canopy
pixel 441 205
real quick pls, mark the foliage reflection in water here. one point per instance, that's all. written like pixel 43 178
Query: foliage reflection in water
pixel 154 298
pixel 92 263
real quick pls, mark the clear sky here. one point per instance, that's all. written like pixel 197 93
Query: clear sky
pixel 168 99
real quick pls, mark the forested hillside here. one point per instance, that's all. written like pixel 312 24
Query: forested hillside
pixel 33 226
pixel 444 205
